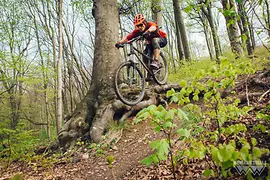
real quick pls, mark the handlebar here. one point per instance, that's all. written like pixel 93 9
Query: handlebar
pixel 130 41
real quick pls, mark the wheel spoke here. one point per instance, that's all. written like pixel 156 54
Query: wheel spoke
pixel 129 84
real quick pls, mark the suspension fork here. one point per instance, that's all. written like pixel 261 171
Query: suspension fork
pixel 134 63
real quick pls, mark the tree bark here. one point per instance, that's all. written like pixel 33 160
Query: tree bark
pixel 208 13
pixel 156 12
pixel 267 19
pixel 244 23
pixel 178 39
pixel 207 36
pixel 95 112
pixel 181 27
pixel 59 111
pixel 232 28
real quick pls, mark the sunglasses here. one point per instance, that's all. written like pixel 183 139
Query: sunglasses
pixel 139 25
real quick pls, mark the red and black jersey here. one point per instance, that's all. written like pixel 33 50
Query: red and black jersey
pixel 157 33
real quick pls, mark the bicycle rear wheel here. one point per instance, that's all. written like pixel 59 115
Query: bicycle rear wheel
pixel 161 74
pixel 129 83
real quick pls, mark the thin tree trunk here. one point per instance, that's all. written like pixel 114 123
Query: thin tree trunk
pixel 181 27
pixel 59 71
pixel 83 75
pixel 245 30
pixel 251 30
pixel 232 29
pixel 209 14
pixel 45 77
pixel 267 19
pixel 179 40
pixel 207 37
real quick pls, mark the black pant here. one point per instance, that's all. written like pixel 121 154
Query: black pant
pixel 156 43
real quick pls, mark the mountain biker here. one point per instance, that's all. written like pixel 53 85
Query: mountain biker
pixel 155 37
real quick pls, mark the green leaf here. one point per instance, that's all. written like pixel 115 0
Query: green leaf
pixel 157 128
pixel 174 99
pixel 169 125
pixel 228 164
pixel 256 152
pixel 183 132
pixel 181 114
pixel 208 173
pixel 152 109
pixel 162 146
pixel 147 161
pixel 225 153
pixel 188 9
pixel 170 115
pixel 253 141
pixel 196 98
pixel 183 83
pixel 142 117
pixel 216 155
pixel 213 69
pixel 170 93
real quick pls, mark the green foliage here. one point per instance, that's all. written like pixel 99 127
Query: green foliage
pixel 207 83
pixel 161 148
pixel 190 70
pixel 99 149
pixel 234 129
pixel 19 143
pixel 264 113
pixel 260 127
pixel 110 160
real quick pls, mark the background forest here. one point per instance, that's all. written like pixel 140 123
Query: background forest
pixel 47 53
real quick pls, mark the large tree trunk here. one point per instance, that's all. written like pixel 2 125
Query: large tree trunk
pixel 95 112
pixel 181 25
pixel 232 28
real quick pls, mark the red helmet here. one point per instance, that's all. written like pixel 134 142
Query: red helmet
pixel 138 19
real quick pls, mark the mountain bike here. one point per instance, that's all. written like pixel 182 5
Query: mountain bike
pixel 129 80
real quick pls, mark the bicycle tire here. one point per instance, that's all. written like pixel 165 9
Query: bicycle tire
pixel 161 79
pixel 119 80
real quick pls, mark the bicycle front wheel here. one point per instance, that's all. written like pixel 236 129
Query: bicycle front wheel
pixel 129 83
pixel 161 74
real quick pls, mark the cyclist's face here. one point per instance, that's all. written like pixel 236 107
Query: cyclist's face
pixel 140 27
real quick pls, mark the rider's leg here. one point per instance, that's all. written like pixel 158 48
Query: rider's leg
pixel 157 44
pixel 156 54
pixel 156 47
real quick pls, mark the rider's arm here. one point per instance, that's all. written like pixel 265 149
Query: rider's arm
pixel 123 40
pixel 151 29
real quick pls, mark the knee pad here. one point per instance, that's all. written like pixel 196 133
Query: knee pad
pixel 155 43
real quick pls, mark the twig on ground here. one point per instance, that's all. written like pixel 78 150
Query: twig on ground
pixel 247 90
pixel 264 94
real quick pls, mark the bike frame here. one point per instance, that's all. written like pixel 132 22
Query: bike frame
pixel 132 52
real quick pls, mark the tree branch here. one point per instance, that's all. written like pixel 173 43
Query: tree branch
pixel 31 121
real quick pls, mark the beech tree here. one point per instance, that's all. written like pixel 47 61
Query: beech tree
pixel 95 111
pixel 181 26
pixel 229 11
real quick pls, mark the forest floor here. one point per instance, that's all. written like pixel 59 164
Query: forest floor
pixel 133 146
